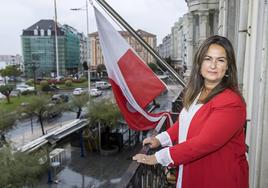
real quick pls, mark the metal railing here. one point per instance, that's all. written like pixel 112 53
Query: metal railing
pixel 145 176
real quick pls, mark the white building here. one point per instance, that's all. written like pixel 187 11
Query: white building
pixel 164 48
pixel 83 50
pixel 11 60
pixel 176 44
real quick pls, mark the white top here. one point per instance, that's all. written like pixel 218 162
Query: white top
pixel 163 156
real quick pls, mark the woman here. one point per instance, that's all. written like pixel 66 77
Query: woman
pixel 207 142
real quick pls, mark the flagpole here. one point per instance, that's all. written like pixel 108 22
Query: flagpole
pixel 118 18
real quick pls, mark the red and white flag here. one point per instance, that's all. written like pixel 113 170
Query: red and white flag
pixel 134 84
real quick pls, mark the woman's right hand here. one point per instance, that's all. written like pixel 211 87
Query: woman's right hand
pixel 151 141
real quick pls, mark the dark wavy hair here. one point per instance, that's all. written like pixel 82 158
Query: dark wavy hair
pixel 196 80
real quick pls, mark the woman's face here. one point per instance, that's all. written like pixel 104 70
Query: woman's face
pixel 214 65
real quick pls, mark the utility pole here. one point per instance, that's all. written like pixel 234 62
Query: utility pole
pixel 56 42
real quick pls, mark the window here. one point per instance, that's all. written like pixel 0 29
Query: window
pixel 42 32
pixel 35 32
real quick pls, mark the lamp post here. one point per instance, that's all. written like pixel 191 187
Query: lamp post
pixel 87 40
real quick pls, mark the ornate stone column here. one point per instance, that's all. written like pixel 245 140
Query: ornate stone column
pixel 189 45
pixel 203 25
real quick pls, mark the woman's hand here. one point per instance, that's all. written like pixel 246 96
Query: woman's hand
pixel 145 159
pixel 152 142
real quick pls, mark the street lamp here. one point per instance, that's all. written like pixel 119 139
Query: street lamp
pixel 87 38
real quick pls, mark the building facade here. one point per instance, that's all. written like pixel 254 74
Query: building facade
pixel 39 49
pixel 165 48
pixel 176 42
pixel 12 60
pixel 96 57
pixel 83 50
pixel 179 45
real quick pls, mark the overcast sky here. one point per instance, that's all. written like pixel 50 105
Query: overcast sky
pixel 154 16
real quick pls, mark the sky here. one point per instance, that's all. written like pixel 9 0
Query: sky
pixel 154 16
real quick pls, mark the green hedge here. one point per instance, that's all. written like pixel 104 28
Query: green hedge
pixel 68 83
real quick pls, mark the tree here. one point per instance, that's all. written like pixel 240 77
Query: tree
pixel 11 70
pixel 101 68
pixel 153 66
pixel 85 66
pixel 6 90
pixel 39 106
pixel 6 122
pixel 77 103
pixel 20 169
pixel 105 113
pixel 28 111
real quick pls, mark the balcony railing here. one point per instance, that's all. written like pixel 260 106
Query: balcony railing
pixel 145 176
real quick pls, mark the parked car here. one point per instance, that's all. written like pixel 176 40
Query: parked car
pixel 14 93
pixel 102 85
pixel 94 79
pixel 23 88
pixel 78 91
pixel 60 98
pixel 51 87
pixel 95 92
pixel 53 111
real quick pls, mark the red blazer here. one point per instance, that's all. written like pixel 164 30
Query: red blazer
pixel 214 153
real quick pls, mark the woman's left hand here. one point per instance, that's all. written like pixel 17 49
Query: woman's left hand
pixel 145 159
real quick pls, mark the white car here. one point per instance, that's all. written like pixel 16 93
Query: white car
pixel 95 92
pixel 102 85
pixel 78 91
pixel 23 88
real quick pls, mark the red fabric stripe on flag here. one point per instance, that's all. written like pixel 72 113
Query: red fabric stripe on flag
pixel 134 119
pixel 140 79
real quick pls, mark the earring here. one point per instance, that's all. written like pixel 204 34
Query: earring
pixel 226 75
